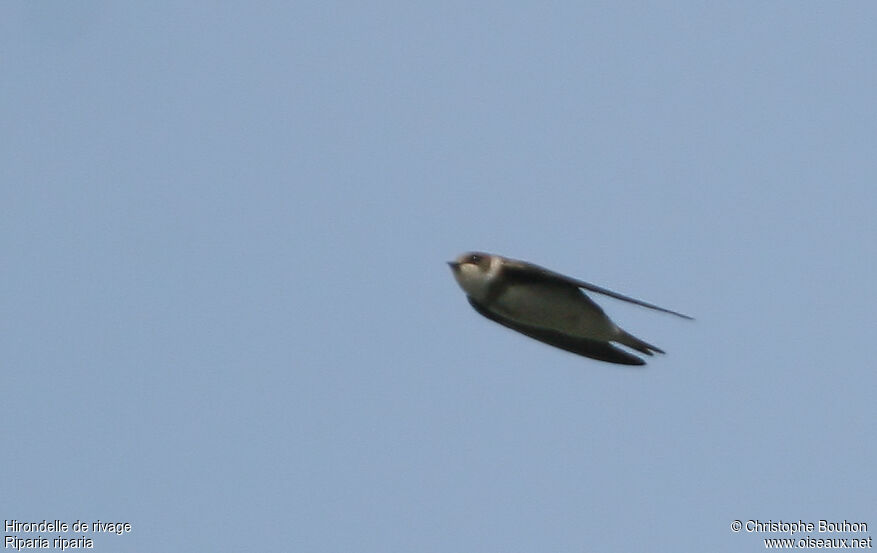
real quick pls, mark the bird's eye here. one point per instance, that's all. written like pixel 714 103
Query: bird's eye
pixel 474 258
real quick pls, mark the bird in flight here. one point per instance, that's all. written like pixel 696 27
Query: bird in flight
pixel 548 306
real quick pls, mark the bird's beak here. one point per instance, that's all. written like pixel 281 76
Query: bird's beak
pixel 454 265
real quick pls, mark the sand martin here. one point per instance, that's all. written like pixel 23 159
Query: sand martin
pixel 548 306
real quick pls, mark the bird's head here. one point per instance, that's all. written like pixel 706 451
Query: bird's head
pixel 475 271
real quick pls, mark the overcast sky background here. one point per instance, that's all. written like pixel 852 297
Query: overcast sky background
pixel 226 316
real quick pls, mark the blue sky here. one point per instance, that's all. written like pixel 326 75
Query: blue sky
pixel 226 316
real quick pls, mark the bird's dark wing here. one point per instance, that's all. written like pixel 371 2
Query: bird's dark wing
pixel 603 351
pixel 523 271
